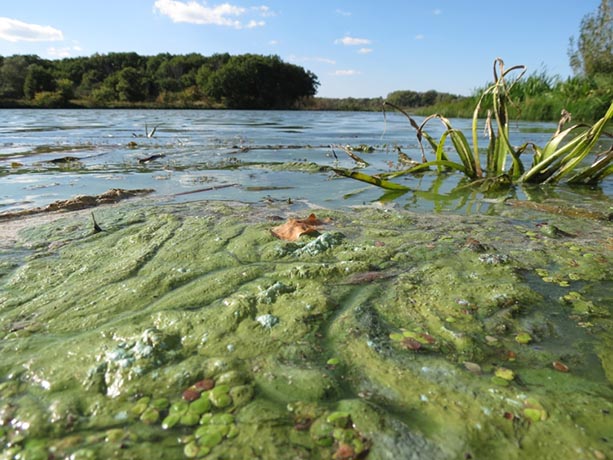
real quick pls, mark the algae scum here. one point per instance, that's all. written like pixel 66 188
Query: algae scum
pixel 189 331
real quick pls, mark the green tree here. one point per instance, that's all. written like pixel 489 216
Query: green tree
pixel 38 78
pixel 130 85
pixel 262 82
pixel 592 52
pixel 65 89
pixel 13 74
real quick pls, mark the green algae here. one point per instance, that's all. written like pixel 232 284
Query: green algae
pixel 102 333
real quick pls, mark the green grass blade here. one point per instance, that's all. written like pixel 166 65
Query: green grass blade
pixel 576 156
pixel 412 170
pixel 565 159
pixel 464 152
pixel 596 172
pixel 369 179
pixel 425 166
pixel 553 144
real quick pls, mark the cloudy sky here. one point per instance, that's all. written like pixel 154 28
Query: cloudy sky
pixel 357 48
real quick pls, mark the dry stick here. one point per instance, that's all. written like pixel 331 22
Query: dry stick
pixel 208 189
pixel 353 156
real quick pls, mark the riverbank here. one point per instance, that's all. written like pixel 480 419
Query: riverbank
pixel 384 333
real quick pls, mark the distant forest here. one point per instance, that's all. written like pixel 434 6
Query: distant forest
pixel 163 80
pixel 245 81
pixel 250 81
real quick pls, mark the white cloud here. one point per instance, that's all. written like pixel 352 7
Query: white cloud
pixel 321 59
pixel 365 50
pixel 273 42
pixel 346 73
pixel 59 52
pixel 64 52
pixel 352 41
pixel 13 30
pixel 264 11
pixel 253 23
pixel 225 14
pixel 419 37
pixel 437 11
pixel 343 13
pixel 312 59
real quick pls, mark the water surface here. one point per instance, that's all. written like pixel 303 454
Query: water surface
pixel 252 155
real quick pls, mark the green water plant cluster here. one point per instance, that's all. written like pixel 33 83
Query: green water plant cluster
pixel 561 159
pixel 203 416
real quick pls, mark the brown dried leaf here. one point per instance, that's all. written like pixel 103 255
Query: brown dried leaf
pixel 560 366
pixel 472 367
pixel 293 229
pixel 426 338
pixel 204 385
pixel 344 452
pixel 191 394
pixel 410 343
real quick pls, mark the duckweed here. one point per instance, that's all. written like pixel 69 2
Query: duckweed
pixel 171 420
pixel 338 419
pixel 200 405
pixel 523 338
pixel 150 416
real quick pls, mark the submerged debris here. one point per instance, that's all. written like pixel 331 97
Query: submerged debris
pixel 151 158
pixel 80 202
pixel 267 321
pixel 320 244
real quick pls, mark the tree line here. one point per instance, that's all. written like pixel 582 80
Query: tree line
pixel 404 98
pixel 129 79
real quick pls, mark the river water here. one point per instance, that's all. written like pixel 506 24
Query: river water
pixel 232 155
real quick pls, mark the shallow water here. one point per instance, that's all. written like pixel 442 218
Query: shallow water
pixel 254 155
pixel 101 331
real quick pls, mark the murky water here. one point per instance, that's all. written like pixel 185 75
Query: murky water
pixel 233 155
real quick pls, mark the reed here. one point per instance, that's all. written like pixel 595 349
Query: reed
pixel 560 159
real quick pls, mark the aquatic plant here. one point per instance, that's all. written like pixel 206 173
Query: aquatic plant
pixel 559 159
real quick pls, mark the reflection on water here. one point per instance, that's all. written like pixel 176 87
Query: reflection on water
pixel 47 155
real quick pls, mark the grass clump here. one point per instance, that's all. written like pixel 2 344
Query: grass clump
pixel 559 160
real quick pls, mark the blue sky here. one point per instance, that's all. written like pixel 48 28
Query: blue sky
pixel 356 48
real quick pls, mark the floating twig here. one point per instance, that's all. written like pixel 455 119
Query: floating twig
pixel 207 189
pixel 151 158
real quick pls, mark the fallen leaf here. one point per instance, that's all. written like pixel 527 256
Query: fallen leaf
pixel 410 343
pixel 532 414
pixel 533 410
pixel 204 385
pixel 472 367
pixel 523 338
pixel 559 366
pixel 344 452
pixel 425 338
pixel 191 394
pixel 499 381
pixel 505 373
pixel 303 423
pixel 293 229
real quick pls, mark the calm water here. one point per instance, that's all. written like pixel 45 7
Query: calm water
pixel 239 150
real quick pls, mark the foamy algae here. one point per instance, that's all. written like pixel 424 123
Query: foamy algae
pixel 190 331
